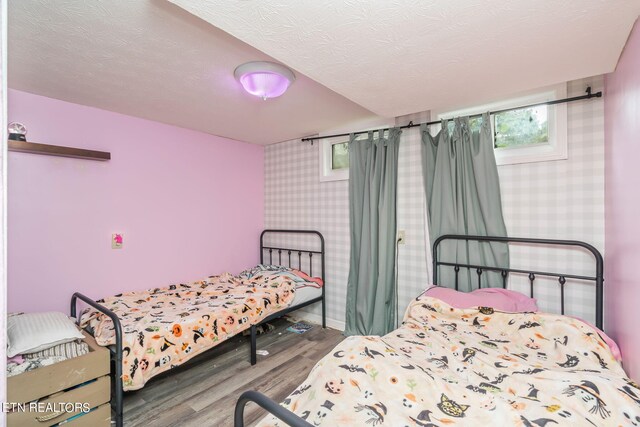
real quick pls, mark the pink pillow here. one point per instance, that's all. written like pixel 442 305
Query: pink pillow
pixel 318 281
pixel 498 298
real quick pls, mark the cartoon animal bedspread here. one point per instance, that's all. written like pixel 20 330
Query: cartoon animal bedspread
pixel 472 367
pixel 165 327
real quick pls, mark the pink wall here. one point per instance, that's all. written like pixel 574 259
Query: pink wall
pixel 622 210
pixel 189 204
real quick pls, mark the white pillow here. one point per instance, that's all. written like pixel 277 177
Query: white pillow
pixel 32 332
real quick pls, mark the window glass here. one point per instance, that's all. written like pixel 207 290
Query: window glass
pixel 340 156
pixel 517 128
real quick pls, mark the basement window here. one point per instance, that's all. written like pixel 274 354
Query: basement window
pixel 524 127
pixel 334 160
pixel 524 135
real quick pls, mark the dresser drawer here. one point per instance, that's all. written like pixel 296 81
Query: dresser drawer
pixel 99 417
pixel 94 394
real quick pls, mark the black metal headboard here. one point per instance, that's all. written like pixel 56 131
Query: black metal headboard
pixel 504 272
pixel 275 255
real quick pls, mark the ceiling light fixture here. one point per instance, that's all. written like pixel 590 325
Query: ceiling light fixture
pixel 264 79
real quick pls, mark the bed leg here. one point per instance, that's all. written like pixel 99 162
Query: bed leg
pixel 324 315
pixel 253 344
pixel 118 393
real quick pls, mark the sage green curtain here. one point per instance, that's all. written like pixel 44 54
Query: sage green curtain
pixel 463 197
pixel 373 177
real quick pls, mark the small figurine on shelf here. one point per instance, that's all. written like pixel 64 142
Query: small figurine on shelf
pixel 17 131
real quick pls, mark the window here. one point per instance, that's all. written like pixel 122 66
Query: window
pixel 520 128
pixel 533 134
pixel 334 160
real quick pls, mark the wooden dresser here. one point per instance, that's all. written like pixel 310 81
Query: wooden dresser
pixel 83 381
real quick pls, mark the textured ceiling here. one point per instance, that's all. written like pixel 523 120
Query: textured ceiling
pixel 401 56
pixel 151 59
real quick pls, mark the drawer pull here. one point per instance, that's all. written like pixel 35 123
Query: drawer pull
pixel 49 417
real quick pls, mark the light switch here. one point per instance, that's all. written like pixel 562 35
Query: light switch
pixel 117 239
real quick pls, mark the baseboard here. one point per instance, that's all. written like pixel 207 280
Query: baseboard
pixel 317 319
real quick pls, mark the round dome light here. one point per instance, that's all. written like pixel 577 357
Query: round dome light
pixel 264 79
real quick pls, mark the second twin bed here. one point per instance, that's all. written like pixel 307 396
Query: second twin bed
pixel 499 361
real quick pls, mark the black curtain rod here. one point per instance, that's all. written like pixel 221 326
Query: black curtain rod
pixel 589 95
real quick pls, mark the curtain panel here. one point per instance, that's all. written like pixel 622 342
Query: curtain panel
pixel 463 197
pixel 373 177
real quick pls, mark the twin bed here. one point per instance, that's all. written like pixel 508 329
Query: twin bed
pixel 149 332
pixel 444 366
pixel 468 366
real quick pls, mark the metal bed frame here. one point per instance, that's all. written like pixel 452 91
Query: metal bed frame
pixel 116 350
pixel 295 421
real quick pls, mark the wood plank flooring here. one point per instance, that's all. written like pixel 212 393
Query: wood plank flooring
pixel 204 392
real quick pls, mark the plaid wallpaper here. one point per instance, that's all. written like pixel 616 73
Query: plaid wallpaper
pixel 296 199
pixel 561 199
pixel 558 199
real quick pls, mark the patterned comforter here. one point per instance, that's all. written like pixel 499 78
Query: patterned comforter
pixel 165 327
pixel 471 367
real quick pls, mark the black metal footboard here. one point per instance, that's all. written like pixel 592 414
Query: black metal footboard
pixel 116 353
pixel 272 407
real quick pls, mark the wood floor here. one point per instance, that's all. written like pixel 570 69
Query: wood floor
pixel 204 392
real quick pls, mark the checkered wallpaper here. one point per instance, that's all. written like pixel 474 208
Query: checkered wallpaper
pixel 296 199
pixel 559 199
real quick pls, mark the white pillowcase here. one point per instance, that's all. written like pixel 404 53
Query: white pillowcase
pixel 33 332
